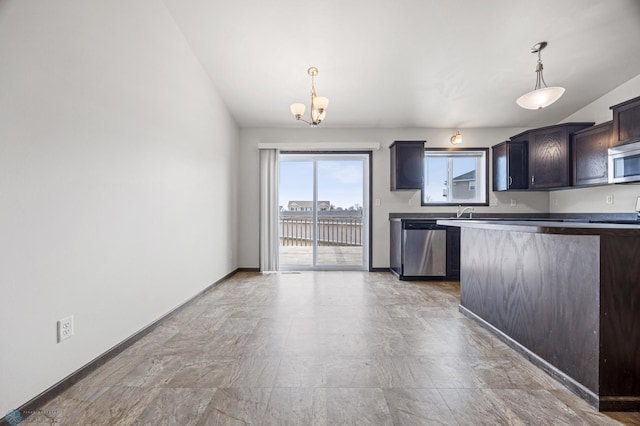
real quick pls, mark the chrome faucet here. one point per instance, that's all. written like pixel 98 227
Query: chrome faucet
pixel 460 211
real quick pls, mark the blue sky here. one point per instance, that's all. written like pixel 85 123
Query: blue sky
pixel 339 181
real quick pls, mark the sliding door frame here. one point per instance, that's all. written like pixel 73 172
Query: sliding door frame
pixel 367 204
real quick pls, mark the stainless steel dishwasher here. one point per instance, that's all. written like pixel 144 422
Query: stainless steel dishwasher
pixel 424 249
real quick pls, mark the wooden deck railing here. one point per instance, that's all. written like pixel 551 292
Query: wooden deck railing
pixel 332 230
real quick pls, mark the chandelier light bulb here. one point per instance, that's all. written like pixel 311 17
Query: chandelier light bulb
pixel 320 102
pixel 297 110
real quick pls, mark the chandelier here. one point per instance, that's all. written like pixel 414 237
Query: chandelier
pixel 318 104
pixel 540 96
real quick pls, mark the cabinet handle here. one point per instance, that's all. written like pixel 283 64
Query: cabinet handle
pixel 533 180
pixel 510 181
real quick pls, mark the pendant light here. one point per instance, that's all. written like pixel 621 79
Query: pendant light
pixel 541 96
pixel 318 104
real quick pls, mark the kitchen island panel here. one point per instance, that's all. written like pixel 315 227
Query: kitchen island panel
pixel 541 290
pixel 532 283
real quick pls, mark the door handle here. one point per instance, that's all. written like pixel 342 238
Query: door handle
pixel 510 181
pixel 533 180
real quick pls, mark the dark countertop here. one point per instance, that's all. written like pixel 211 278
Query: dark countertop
pixel 627 217
pixel 416 216
pixel 551 226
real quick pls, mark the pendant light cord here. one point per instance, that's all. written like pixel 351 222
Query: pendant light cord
pixel 540 76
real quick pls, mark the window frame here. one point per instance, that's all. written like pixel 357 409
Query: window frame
pixel 485 151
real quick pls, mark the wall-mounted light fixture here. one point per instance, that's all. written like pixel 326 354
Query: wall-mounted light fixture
pixel 318 104
pixel 456 139
pixel 540 96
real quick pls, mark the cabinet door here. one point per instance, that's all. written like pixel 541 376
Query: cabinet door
pixel 500 170
pixel 589 148
pixel 510 166
pixel 453 253
pixel 626 122
pixel 406 164
pixel 518 164
pixel 549 159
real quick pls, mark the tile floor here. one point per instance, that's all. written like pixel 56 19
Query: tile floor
pixel 322 348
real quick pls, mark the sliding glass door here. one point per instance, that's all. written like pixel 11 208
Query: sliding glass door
pixel 323 218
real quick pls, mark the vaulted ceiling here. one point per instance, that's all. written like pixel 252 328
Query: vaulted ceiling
pixel 410 63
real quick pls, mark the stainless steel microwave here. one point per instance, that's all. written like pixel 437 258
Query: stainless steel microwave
pixel 624 163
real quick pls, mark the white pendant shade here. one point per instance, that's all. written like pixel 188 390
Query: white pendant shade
pixel 297 109
pixel 538 99
pixel 541 96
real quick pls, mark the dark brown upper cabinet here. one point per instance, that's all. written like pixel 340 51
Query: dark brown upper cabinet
pixel 626 122
pixel 406 164
pixel 549 155
pixel 510 165
pixel 589 152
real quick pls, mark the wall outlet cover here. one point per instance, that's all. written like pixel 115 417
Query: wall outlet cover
pixel 65 328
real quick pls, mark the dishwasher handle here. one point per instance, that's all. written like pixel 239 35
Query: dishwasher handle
pixel 422 225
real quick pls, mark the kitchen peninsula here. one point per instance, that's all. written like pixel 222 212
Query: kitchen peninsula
pixel 564 294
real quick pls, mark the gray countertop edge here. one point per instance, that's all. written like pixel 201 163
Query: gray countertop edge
pixel 516 216
pixel 546 227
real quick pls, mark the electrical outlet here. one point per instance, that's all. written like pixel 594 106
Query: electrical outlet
pixel 65 328
pixel 514 203
pixel 610 199
pixel 377 201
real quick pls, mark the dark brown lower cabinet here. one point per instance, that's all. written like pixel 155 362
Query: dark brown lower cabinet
pixel 453 253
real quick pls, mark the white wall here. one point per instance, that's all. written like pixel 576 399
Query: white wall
pixel 396 202
pixel 118 194
pixel 598 111
pixel 593 200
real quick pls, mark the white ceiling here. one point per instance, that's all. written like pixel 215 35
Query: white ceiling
pixel 410 63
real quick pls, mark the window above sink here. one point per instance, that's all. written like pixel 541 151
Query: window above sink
pixel 455 176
